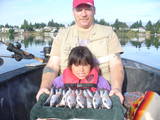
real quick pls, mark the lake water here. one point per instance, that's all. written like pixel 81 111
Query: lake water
pixel 144 50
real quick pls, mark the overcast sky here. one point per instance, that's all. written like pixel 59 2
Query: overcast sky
pixel 14 12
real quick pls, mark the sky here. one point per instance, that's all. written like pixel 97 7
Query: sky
pixel 14 12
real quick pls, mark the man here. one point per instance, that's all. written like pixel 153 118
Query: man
pixel 101 40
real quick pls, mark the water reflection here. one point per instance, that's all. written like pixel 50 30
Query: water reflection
pixel 139 41
pixel 27 40
pixel 36 40
pixel 141 48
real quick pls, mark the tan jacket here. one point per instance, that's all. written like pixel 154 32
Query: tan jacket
pixel 102 42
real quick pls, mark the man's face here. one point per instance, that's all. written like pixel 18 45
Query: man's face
pixel 84 15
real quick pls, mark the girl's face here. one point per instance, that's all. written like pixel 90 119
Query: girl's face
pixel 81 71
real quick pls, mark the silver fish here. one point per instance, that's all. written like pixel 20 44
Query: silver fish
pixel 71 99
pixel 106 101
pixel 89 93
pixel 64 97
pixel 97 100
pixel 47 102
pixel 81 100
pixel 88 99
pixel 55 99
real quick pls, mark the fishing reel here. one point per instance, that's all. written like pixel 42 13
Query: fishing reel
pixel 13 47
pixel 17 45
pixel 19 54
pixel 46 51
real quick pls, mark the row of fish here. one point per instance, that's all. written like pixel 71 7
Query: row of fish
pixel 79 98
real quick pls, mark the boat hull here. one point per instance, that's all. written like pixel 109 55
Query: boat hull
pixel 17 92
pixel 140 77
pixel 18 88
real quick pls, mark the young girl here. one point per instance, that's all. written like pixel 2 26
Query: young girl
pixel 82 72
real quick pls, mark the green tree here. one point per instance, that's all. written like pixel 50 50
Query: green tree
pixel 30 27
pixel 39 25
pixel 149 26
pixel 11 34
pixel 72 23
pixel 1 26
pixel 117 25
pixel 140 24
pixel 103 22
pixel 26 26
pixel 11 31
pixel 137 24
pixel 6 25
pixel 51 23
pixel 54 24
pixel 157 27
pixel 96 21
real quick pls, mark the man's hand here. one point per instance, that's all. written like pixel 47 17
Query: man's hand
pixel 42 90
pixel 117 76
pixel 118 93
pixel 50 72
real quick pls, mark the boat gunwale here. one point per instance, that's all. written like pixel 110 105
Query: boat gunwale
pixel 131 64
pixel 4 77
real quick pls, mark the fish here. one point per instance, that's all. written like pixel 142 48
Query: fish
pixel 55 99
pixel 81 100
pixel 47 102
pixel 88 99
pixel 71 99
pixel 97 100
pixel 65 94
pixel 89 93
pixel 106 101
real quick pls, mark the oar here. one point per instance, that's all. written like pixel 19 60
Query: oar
pixel 1 61
pixel 20 51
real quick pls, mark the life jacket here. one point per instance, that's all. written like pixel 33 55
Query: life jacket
pixel 70 80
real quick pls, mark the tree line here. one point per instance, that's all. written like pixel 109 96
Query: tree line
pixel 118 25
pixel 30 27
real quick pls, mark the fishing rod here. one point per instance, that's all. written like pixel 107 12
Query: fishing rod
pixel 4 56
pixel 20 54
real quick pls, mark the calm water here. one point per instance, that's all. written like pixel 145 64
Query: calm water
pixel 144 50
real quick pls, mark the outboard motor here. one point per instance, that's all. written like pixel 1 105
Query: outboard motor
pixel 46 51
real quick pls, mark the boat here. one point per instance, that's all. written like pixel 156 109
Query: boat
pixel 18 88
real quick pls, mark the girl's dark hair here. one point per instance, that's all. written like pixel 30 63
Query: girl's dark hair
pixel 81 56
